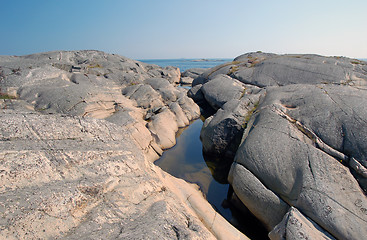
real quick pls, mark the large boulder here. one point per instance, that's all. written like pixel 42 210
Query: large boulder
pixel 168 92
pixel 189 107
pixel 261 201
pixel 196 94
pixel 222 132
pixel 193 72
pixel 303 146
pixel 164 127
pixel 186 81
pixel 222 89
pixel 290 146
pixel 144 95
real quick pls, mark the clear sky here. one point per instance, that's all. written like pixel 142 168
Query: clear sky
pixel 154 29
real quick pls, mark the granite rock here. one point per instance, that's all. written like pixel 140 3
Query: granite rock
pixel 303 144
pixel 76 153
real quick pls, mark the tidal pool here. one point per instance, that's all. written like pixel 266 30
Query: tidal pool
pixel 186 161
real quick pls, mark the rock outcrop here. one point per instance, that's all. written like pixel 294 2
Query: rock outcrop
pixel 79 131
pixel 188 76
pixel 300 130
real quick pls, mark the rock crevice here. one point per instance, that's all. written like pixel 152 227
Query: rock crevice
pixel 305 144
pixel 78 137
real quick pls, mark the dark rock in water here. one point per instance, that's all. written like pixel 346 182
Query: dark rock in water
pixel 303 143
pixel 222 132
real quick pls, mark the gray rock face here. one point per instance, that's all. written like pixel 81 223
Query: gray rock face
pixel 193 72
pixel 262 202
pixel 310 179
pixel 296 226
pixel 282 152
pixel 264 69
pixel 303 146
pixel 145 96
pixel 222 89
pixel 196 94
pixel 222 133
pixel 186 81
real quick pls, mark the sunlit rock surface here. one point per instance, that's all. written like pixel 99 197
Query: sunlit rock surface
pixel 303 143
pixel 79 131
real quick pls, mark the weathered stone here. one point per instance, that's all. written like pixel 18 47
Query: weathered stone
pixel 74 176
pixel 189 107
pixel 305 142
pixel 56 170
pixel 146 97
pixel 186 81
pixel 196 94
pixel 261 201
pixel 221 89
pixel 286 155
pixel 193 72
pixel 296 226
pixel 167 91
pixel 164 127
pixel 158 83
pixel 222 133
pixel 182 120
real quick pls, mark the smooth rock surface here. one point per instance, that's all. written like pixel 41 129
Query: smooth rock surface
pixel 303 144
pixel 262 202
pixel 222 89
pixel 193 72
pixel 287 161
pixel 186 81
pixel 76 151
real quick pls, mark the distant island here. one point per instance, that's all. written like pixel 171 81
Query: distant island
pixel 206 60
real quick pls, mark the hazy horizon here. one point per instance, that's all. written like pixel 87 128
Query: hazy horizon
pixel 165 29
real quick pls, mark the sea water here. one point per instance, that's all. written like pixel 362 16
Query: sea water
pixel 184 64
pixel 186 161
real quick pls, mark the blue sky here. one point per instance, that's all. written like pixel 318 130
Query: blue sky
pixel 147 29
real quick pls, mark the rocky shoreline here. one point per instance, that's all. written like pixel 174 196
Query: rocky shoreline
pixel 295 128
pixel 80 130
pixel 79 133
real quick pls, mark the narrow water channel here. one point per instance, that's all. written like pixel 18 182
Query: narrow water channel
pixel 186 161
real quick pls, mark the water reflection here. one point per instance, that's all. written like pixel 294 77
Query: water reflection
pixel 187 161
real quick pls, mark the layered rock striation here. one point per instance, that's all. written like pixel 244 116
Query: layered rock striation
pixel 295 126
pixel 79 132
